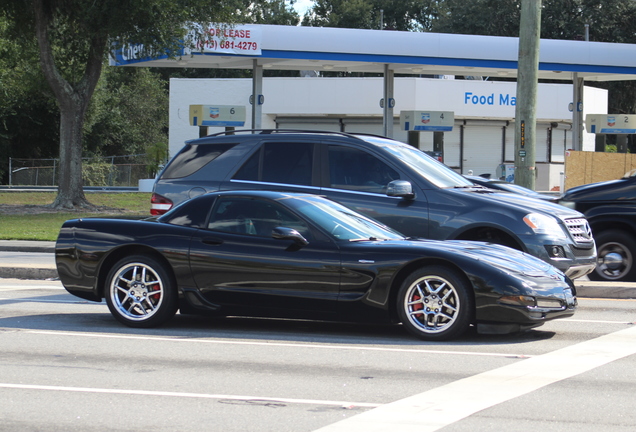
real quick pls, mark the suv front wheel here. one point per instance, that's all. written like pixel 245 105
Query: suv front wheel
pixel 615 252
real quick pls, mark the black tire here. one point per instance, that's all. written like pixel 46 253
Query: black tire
pixel 616 251
pixel 435 304
pixel 140 292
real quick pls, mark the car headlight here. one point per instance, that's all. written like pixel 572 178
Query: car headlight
pixel 568 204
pixel 542 224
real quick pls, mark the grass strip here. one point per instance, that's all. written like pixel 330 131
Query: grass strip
pixel 29 223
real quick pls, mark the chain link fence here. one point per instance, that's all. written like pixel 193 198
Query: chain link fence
pixel 97 171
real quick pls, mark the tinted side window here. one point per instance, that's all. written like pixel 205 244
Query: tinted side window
pixel 253 217
pixel 288 162
pixel 192 158
pixel 354 169
pixel 249 170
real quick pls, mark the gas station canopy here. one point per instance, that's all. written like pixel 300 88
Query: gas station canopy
pixel 374 51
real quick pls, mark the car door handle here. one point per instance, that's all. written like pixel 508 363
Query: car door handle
pixel 212 240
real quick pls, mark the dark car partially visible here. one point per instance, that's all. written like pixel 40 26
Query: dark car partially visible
pixel 610 208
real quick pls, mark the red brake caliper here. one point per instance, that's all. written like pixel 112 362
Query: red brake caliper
pixel 419 306
pixel 155 297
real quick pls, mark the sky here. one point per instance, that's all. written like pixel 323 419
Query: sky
pixel 301 6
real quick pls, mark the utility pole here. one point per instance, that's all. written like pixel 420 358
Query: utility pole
pixel 577 104
pixel 527 83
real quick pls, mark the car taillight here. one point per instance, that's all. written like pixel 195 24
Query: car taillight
pixel 159 205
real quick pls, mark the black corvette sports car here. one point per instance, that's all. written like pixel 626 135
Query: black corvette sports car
pixel 271 254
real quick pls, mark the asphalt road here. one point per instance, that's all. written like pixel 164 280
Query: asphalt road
pixel 67 365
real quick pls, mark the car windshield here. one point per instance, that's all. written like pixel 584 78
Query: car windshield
pixel 431 169
pixel 340 221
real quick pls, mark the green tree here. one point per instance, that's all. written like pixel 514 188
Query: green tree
pixel 404 15
pixel 128 113
pixel 479 17
pixel 608 20
pixel 28 115
pixel 73 38
pixel 275 12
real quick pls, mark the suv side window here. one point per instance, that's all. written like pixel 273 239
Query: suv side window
pixel 253 217
pixel 282 162
pixel 354 169
pixel 192 158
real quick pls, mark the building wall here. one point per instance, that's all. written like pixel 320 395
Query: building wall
pixel 482 139
pixel 592 167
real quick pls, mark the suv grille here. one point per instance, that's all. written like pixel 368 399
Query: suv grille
pixel 580 231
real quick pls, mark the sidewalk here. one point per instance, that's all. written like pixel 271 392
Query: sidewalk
pixel 27 260
pixel 36 260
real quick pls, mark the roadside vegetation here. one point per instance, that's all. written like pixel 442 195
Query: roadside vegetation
pixel 25 216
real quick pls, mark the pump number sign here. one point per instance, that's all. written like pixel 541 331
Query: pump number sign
pixel 217 115
pixel 436 121
pixel 611 123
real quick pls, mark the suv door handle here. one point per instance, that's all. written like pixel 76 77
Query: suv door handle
pixel 212 241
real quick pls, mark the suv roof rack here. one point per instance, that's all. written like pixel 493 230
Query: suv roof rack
pixel 290 131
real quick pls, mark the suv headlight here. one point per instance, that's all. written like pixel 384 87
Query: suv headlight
pixel 542 224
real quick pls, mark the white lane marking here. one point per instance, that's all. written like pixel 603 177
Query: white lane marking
pixel 600 299
pixel 344 404
pixel 277 344
pixel 596 321
pixel 30 287
pixel 442 406
pixel 38 300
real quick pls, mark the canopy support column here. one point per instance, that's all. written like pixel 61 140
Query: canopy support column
pixel 388 102
pixel 577 111
pixel 257 99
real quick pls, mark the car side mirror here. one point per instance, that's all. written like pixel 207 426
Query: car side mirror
pixel 400 188
pixel 282 233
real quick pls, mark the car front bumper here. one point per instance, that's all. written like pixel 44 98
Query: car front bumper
pixel 572 260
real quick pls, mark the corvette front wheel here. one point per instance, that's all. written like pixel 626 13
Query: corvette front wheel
pixel 435 304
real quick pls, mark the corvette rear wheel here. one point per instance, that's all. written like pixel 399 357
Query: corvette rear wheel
pixel 434 304
pixel 140 293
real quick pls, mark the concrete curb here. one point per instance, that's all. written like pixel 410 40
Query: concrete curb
pixel 27 246
pixel 609 290
pixel 16 269
pixel 31 273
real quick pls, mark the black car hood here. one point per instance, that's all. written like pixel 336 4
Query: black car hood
pixel 506 259
pixel 613 190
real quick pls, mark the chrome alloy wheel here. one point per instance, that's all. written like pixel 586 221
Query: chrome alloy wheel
pixel 615 255
pixel 136 291
pixel 615 261
pixel 432 304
